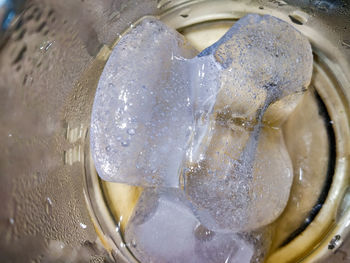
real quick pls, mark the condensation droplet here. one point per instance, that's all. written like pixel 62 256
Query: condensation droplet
pixel 108 148
pixel 346 43
pixel 45 46
pixel 163 3
pixel 299 17
pixel 278 2
pixel 323 5
pixel 133 243
pixel 12 221
pixel 202 233
pixel 281 3
pixel 83 226
pixel 48 205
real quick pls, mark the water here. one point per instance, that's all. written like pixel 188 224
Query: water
pixel 308 186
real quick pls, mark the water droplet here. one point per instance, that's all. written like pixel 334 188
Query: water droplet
pixel 111 85
pixel 125 143
pixel 133 243
pixel 163 3
pixel 299 17
pixel 131 131
pixel 48 46
pixel 108 148
pixel 10 135
pixel 12 221
pixel 83 226
pixel 45 46
pixel 49 201
pixel 48 206
pixel 202 233
pixel 281 3
pixel 346 43
pixel 323 5
pixel 278 2
pixel 185 13
pixel 335 242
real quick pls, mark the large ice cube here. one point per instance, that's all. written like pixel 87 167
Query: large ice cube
pixel 142 113
pixel 239 174
pixel 164 229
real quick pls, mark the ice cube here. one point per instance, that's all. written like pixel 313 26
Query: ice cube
pixel 160 114
pixel 164 229
pixel 142 113
pixel 239 173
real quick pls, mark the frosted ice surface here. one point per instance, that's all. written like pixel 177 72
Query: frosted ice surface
pixel 164 229
pixel 239 177
pixel 142 113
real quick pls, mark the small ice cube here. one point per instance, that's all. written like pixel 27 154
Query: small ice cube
pixel 164 229
pixel 142 111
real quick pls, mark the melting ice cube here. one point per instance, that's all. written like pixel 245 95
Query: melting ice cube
pixel 159 115
pixel 164 229
pixel 241 177
pixel 142 113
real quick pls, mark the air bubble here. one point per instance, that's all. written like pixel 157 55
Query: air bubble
pixel 125 143
pixel 131 131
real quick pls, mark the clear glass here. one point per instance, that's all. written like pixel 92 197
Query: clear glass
pixel 54 206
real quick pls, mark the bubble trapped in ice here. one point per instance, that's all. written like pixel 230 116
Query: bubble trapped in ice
pixel 201 123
